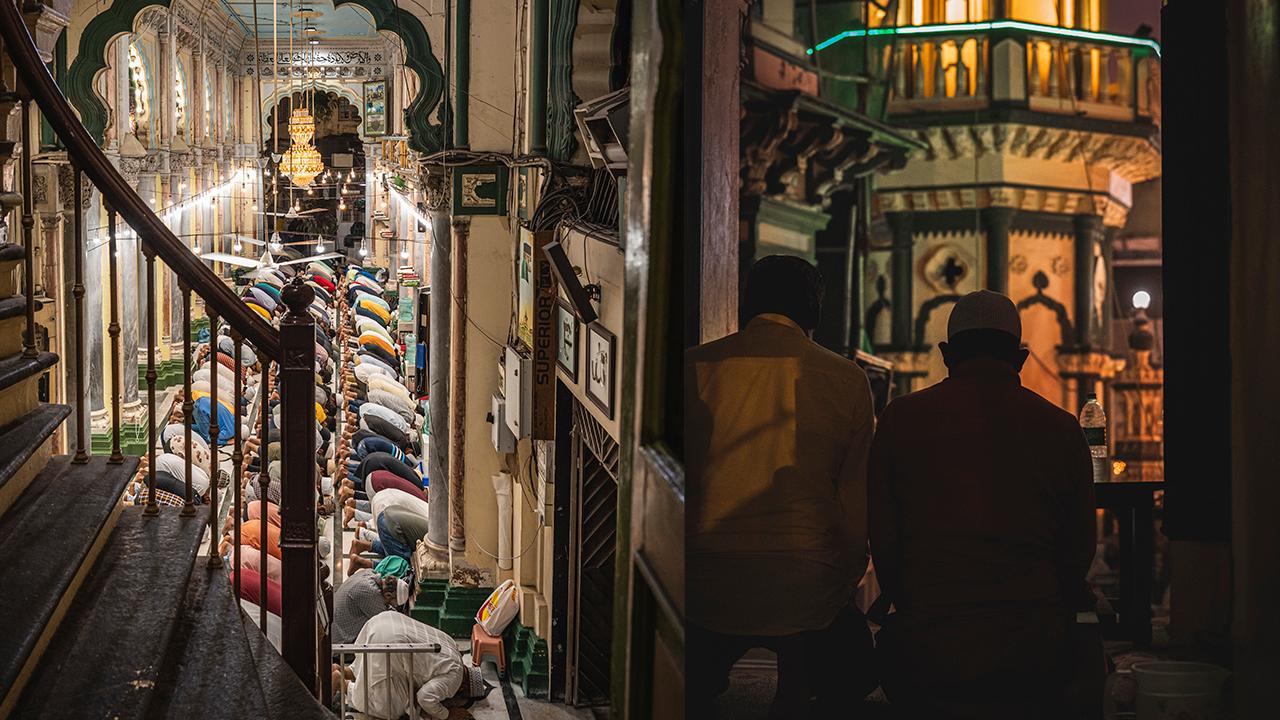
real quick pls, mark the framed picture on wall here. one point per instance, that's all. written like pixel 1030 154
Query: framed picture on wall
pixel 375 108
pixel 601 365
pixel 567 339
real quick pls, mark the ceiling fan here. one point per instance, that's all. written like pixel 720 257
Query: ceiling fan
pixel 293 214
pixel 265 261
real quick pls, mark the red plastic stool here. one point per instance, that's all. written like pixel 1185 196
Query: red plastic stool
pixel 485 645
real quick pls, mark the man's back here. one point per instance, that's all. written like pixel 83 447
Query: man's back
pixel 778 430
pixel 981 518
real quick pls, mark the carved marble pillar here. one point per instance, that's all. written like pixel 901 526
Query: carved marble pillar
pixel 181 191
pixel 95 259
pixel 74 334
pixel 217 112
pixel 120 85
pixel 166 187
pixel 197 132
pixel 167 63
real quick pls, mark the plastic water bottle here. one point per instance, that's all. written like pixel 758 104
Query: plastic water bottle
pixel 1094 422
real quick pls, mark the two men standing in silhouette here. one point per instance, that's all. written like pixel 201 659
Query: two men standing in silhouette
pixel 975 499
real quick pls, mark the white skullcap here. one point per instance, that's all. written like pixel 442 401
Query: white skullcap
pixel 984 310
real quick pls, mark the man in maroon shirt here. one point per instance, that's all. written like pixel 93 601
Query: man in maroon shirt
pixel 982 530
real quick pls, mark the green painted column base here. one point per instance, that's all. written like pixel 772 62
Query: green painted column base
pixel 133 440
pixel 198 324
pixel 168 374
pixel 527 661
pixel 453 609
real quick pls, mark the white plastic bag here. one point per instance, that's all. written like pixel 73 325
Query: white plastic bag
pixel 499 609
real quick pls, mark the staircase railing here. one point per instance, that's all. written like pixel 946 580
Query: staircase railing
pixel 291 348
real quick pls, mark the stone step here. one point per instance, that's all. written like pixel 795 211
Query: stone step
pixel 52 539
pixel 21 442
pixel 18 384
pixel 106 659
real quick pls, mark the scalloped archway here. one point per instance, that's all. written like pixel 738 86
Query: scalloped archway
pixel 116 20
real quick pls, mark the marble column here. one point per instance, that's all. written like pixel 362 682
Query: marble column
pixel 370 191
pixel 120 77
pixel 438 363
pixel 133 301
pixel 161 297
pixel 197 132
pixel 95 258
pixel 183 225
pixel 74 332
pixel 167 63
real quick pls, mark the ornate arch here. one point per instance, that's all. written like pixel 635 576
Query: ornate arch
pixel 1059 310
pixel 91 59
pixel 424 137
pixel 269 102
pixel 926 309
pixel 116 20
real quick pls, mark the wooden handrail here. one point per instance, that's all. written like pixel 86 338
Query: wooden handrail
pixel 35 79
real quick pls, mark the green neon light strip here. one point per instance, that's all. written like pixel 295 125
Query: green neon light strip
pixel 994 25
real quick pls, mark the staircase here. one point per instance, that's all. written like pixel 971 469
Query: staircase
pixel 108 612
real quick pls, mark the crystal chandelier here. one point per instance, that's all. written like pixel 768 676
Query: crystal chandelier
pixel 301 163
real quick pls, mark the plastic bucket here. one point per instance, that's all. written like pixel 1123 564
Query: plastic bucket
pixel 1179 690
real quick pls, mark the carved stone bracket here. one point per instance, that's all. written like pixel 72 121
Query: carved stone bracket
pixel 800 149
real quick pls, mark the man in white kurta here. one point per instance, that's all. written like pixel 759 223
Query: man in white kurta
pixel 393 683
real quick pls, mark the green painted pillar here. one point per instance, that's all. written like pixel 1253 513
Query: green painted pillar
pixel 995 223
pixel 462 73
pixel 538 79
pixel 1087 231
pixel 902 259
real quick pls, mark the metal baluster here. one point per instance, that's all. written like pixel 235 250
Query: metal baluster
pixel 151 507
pixel 114 330
pixel 188 407
pixel 77 291
pixel 28 236
pixel 237 462
pixel 264 481
pixel 214 437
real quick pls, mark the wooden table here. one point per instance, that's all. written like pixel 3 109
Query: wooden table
pixel 1133 504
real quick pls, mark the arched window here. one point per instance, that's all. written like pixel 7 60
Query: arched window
pixel 139 95
pixel 180 100
pixel 208 102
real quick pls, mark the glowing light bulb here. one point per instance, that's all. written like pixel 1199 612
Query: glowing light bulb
pixel 1142 300
pixel 255 207
pixel 276 245
pixel 196 249
pixel 363 252
pixel 342 206
pixel 237 247
pixel 404 254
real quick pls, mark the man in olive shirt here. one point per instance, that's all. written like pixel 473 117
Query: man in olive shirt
pixel 982 531
pixel 778 430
